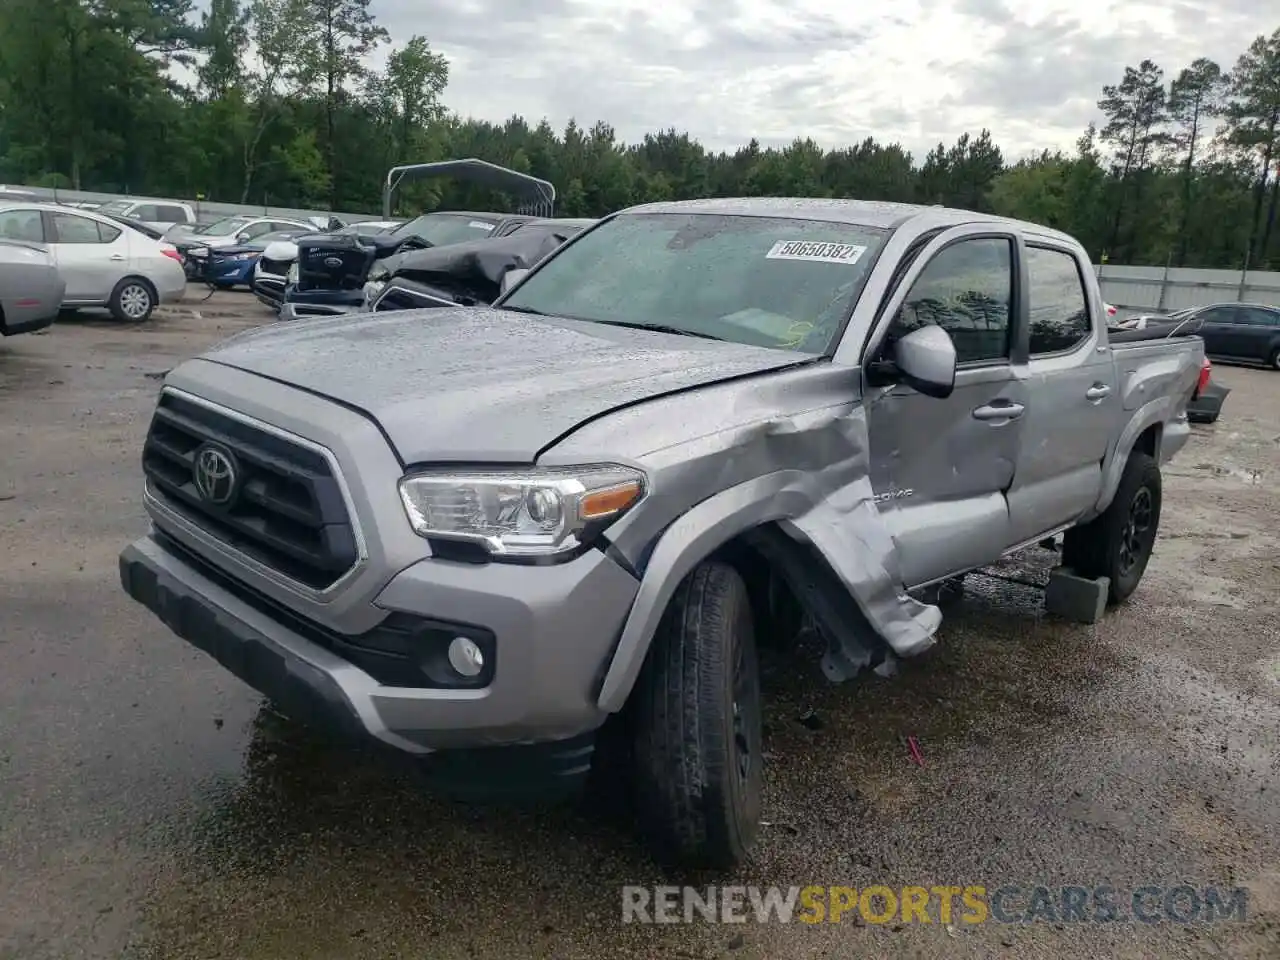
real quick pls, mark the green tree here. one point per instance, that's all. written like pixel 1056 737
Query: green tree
pixel 1134 110
pixel 339 35
pixel 1253 125
pixel 1196 97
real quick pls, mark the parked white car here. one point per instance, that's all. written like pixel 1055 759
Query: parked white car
pixel 103 263
pixel 159 214
pixel 231 231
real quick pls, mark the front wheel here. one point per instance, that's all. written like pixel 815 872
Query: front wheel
pixel 132 300
pixel 1118 543
pixel 1274 360
pixel 698 729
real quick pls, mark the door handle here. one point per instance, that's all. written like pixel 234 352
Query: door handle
pixel 1098 391
pixel 117 256
pixel 1005 410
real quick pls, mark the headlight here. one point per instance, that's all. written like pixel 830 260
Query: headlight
pixel 242 256
pixel 520 513
pixel 379 272
pixel 198 252
pixel 292 275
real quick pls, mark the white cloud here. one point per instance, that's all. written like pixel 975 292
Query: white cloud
pixel 915 71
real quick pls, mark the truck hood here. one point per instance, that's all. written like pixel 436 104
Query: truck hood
pixel 476 385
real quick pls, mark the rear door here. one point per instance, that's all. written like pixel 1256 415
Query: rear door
pixel 940 468
pixel 1073 397
pixel 1256 331
pixel 91 257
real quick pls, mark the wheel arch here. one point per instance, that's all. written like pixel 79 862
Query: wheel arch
pixel 1144 433
pixel 744 526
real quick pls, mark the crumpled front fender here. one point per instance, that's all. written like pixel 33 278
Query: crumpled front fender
pixel 817 503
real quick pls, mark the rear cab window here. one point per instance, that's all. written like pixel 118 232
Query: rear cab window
pixel 767 281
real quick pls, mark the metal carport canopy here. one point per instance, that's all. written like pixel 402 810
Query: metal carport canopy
pixel 539 196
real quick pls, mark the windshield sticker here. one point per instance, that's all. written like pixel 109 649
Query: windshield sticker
pixel 819 252
pixel 480 225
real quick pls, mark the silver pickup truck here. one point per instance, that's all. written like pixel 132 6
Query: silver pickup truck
pixel 494 536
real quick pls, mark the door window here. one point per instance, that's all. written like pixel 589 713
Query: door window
pixel 108 233
pixel 1220 315
pixel 1059 305
pixel 966 289
pixel 1259 318
pixel 170 214
pixel 22 225
pixel 256 229
pixel 68 228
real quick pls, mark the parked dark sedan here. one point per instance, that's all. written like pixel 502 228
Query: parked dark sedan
pixel 1248 332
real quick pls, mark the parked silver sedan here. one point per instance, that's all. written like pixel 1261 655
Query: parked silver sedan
pixel 103 263
pixel 31 289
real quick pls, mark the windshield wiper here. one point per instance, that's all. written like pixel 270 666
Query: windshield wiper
pixel 660 328
pixel 529 310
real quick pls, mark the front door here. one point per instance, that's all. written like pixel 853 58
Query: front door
pixel 1218 330
pixel 940 468
pixel 1074 401
pixel 92 257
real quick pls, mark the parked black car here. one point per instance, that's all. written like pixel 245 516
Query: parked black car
pixel 1248 332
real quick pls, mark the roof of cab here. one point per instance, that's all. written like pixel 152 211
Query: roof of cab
pixel 869 213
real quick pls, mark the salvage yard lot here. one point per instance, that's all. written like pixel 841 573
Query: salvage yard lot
pixel 150 808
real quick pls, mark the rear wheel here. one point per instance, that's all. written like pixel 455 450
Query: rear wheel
pixel 698 730
pixel 1274 361
pixel 1118 544
pixel 132 300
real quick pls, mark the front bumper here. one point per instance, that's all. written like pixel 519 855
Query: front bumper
pixel 298 311
pixel 230 273
pixel 555 629
pixel 319 303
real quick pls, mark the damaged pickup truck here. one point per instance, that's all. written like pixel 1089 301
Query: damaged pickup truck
pixel 488 535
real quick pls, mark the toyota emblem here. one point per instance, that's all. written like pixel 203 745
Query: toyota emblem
pixel 216 474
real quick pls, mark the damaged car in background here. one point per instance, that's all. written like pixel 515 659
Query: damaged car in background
pixel 330 273
pixel 465 274
pixel 272 270
pixel 503 539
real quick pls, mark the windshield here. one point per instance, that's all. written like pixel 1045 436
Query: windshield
pixel 439 229
pixel 773 282
pixel 226 227
pixel 118 207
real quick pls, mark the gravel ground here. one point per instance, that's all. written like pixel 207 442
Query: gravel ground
pixel 151 808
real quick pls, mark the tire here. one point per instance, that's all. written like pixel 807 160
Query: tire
pixel 1118 543
pixel 1274 361
pixel 132 301
pixel 697 725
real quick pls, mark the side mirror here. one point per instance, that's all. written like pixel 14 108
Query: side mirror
pixel 510 279
pixel 242 238
pixel 926 361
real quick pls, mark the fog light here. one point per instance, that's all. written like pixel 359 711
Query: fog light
pixel 465 657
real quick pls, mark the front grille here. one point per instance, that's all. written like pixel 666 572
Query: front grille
pixel 277 267
pixel 289 514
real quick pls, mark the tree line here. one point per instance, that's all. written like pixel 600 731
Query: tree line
pixel 1182 169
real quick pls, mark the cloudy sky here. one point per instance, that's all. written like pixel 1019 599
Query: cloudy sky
pixel 915 71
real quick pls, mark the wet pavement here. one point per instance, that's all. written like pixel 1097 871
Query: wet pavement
pixel 150 807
